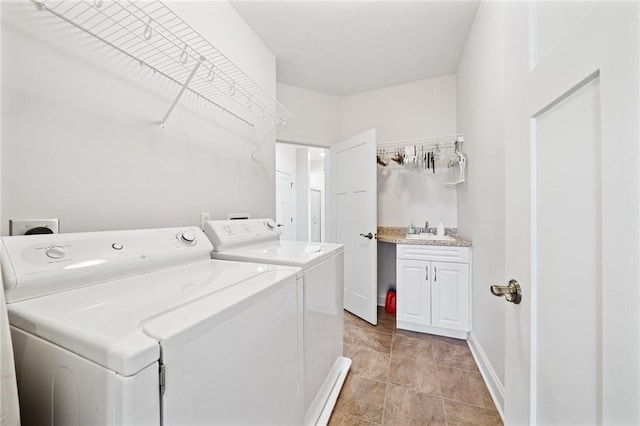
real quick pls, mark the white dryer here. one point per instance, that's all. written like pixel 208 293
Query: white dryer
pixel 143 328
pixel 325 368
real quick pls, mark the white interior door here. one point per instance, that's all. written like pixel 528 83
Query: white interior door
pixel 315 215
pixel 354 215
pixel 284 205
pixel 572 218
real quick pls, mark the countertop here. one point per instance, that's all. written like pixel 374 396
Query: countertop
pixel 397 235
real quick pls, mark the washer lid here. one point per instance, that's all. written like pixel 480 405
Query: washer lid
pixel 107 323
pixel 293 253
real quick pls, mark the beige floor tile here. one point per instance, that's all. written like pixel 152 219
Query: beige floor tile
pixel 360 336
pixel 386 322
pixel 454 355
pixel 339 418
pixel 404 406
pixel 416 375
pixel 420 349
pixel 350 319
pixel 427 379
pixel 368 363
pixel 462 414
pixel 464 386
pixel 362 397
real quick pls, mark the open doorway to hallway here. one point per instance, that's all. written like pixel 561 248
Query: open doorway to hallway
pixel 300 192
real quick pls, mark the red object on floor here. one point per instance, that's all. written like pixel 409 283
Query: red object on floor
pixel 390 302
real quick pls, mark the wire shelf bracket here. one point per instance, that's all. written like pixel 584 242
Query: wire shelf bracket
pixel 163 123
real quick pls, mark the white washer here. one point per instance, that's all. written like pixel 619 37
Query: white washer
pixel 258 240
pixel 143 328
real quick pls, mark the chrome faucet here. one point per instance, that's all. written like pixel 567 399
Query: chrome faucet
pixel 426 227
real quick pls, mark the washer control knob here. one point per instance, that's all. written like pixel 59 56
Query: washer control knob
pixel 187 237
pixel 227 229
pixel 117 246
pixel 55 252
pixel 270 224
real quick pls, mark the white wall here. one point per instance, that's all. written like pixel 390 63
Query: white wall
pixel 81 139
pixel 286 158
pixel 317 120
pixel 481 200
pixel 419 109
pixel 412 110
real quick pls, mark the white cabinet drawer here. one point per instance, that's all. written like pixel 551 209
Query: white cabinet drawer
pixel 433 253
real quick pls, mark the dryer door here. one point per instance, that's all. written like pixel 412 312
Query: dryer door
pixel 241 360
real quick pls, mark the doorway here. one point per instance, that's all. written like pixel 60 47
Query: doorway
pixel 300 184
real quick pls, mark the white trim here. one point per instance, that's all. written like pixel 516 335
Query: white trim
pixel 496 388
pixel 342 365
pixel 533 304
pixel 430 329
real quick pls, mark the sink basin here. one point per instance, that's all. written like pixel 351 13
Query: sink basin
pixel 429 237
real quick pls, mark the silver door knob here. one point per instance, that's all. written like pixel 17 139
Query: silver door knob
pixel 369 235
pixel 512 292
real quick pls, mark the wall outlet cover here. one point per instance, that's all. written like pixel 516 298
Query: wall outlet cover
pixel 20 227
pixel 204 217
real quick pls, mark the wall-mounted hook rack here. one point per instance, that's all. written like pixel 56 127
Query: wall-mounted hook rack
pixel 156 37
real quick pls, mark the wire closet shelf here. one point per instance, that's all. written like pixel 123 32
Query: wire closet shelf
pixel 425 154
pixel 153 35
pixel 428 143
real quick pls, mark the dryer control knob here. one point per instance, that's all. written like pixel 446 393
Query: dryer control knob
pixel 270 224
pixel 187 237
pixel 55 252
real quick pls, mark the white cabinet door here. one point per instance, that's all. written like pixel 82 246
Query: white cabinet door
pixel 450 295
pixel 413 296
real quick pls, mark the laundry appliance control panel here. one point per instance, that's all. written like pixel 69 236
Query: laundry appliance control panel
pixel 230 234
pixel 35 265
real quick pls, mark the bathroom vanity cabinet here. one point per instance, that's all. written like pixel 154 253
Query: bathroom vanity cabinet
pixel 433 289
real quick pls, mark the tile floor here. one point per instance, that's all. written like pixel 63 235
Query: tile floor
pixel 399 377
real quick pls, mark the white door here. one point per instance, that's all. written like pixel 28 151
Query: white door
pixel 572 344
pixel 354 210
pixel 450 295
pixel 413 296
pixel 284 205
pixel 315 215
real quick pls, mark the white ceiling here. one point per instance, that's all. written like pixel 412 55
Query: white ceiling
pixel 347 47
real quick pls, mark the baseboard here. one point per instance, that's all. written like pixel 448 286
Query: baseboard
pixel 440 331
pixel 496 389
pixel 382 298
